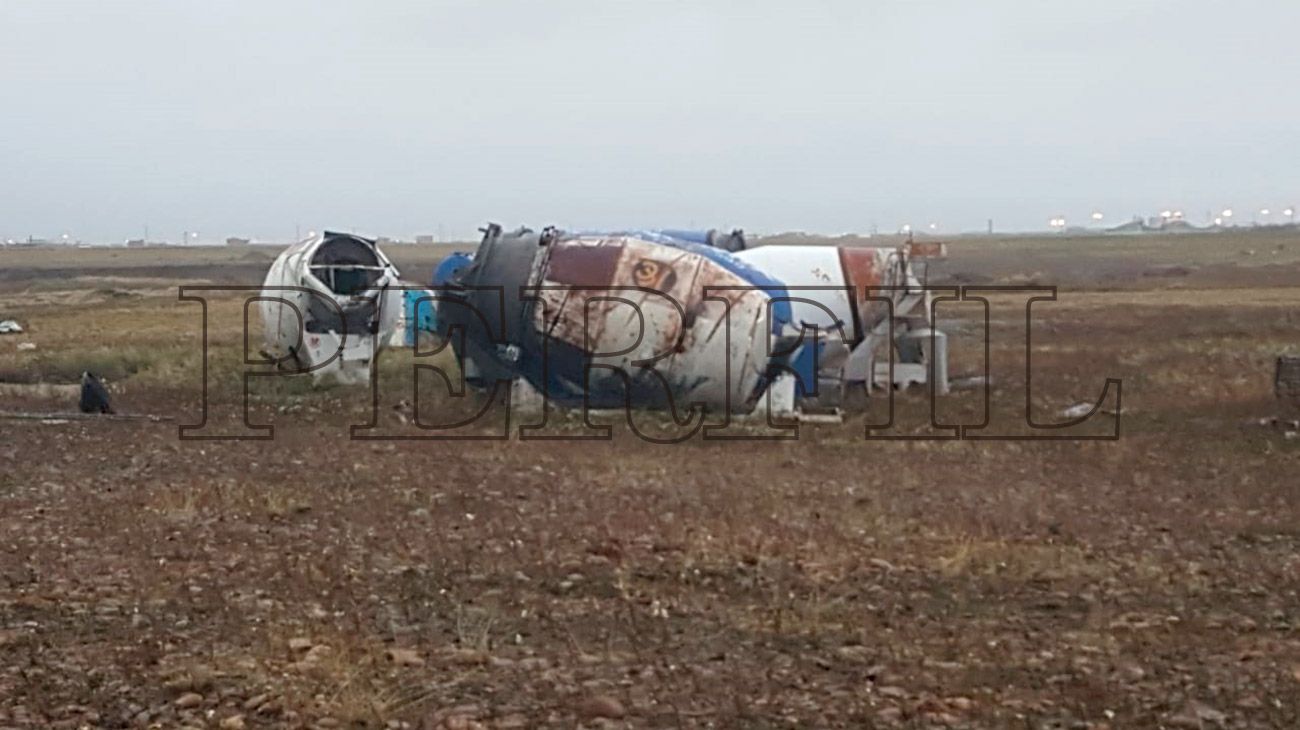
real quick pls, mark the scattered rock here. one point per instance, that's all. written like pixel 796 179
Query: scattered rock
pixel 234 722
pixel 460 717
pixel 514 721
pixel 1197 715
pixel 1078 410
pixel 889 715
pixel 1132 671
pixel 404 657
pixel 601 706
pixel 188 700
pixel 883 564
pixel 961 704
pixel 970 383
pixel 467 657
pixel 315 655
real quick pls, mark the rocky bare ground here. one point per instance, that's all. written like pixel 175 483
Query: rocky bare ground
pixel 315 581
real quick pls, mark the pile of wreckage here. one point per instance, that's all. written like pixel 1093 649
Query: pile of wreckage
pixel 661 319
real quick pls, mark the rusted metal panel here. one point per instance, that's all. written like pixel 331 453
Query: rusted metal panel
pixel 926 249
pixel 600 319
pixel 727 340
pixel 868 269
pixel 659 306
pixel 584 265
pixel 864 267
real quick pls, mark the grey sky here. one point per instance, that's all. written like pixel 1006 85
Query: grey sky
pixel 407 116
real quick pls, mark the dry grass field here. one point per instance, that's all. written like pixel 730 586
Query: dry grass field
pixel 831 581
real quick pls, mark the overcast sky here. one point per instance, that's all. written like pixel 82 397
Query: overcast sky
pixel 413 116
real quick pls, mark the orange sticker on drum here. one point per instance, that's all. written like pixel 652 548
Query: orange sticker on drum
pixel 652 274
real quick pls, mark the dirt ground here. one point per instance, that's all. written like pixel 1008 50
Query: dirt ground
pixel 315 580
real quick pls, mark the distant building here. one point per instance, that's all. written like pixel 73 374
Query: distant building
pixel 235 241
pixel 1155 224
pixel 136 243
pixel 424 239
pixel 1134 226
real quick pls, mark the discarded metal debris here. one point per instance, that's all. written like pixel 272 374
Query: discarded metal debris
pixel 10 327
pixel 971 382
pixel 671 319
pixel 94 396
pixel 600 308
pixel 1078 410
pixel 328 305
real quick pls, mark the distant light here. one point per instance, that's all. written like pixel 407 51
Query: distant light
pixel 1097 215
pixel 1166 214
pixel 311 234
pixel 934 226
pixel 1227 213
pixel 194 235
pixel 1263 211
pixel 1218 221
pixel 1289 211
pixel 1178 214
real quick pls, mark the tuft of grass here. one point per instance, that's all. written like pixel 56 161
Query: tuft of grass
pixel 1021 561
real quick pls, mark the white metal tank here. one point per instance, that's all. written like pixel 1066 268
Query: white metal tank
pixel 329 305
